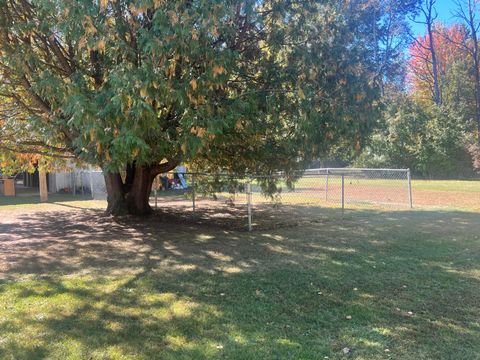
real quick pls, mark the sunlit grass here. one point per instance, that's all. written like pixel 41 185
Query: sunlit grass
pixel 447 185
pixel 434 185
pixel 33 202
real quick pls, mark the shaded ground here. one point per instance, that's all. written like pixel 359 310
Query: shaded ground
pixel 77 284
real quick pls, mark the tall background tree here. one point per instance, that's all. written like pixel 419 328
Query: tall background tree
pixel 140 86
pixel 439 105
pixel 427 50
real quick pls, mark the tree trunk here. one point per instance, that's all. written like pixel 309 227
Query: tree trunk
pixel 437 97
pixel 42 177
pixel 138 197
pixel 115 195
pixel 132 197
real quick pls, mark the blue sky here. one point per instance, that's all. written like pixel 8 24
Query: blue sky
pixel 444 9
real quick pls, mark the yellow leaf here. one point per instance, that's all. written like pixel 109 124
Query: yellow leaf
pixel 193 84
pixel 82 42
pixel 171 69
pixel 103 4
pixel 173 17
pixel 134 10
pixel 184 148
pixel 99 148
pixel 143 92
pixel 199 131
pixel 92 134
pixel 218 70
pixel 135 152
pixel 239 125
pixel 194 34
pixel 301 94
pixel 192 98
pixel 101 46
pixel 88 25
pixel 360 96
pixel 107 156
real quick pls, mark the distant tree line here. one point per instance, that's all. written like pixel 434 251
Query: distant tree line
pixel 430 120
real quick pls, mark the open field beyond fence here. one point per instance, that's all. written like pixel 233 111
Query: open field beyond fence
pixel 308 199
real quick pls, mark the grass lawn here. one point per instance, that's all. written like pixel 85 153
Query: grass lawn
pixel 33 202
pixel 447 185
pixel 374 285
pixel 428 185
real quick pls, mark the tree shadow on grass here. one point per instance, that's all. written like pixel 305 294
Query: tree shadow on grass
pixel 91 286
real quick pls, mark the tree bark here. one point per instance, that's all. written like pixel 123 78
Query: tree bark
pixel 130 175
pixel 42 176
pixel 430 18
pixel 132 196
pixel 115 195
pixel 138 197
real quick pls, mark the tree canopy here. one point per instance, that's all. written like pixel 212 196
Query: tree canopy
pixel 140 86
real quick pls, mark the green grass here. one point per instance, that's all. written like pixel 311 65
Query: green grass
pixel 432 185
pixel 29 202
pixel 447 185
pixel 151 290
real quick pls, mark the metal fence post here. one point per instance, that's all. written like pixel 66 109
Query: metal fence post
pixel 193 193
pixel 81 183
pixel 91 183
pixel 410 198
pixel 74 184
pixel 343 194
pixel 249 205
pixel 326 187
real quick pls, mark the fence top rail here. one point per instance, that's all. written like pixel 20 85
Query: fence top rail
pixel 317 171
pixel 357 169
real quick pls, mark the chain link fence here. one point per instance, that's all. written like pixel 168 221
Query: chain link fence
pixel 269 201
pixel 262 201
pixel 258 201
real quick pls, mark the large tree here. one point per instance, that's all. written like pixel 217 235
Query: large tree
pixel 389 30
pixel 453 67
pixel 140 86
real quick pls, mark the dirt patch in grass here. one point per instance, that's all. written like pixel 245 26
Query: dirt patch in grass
pixel 451 199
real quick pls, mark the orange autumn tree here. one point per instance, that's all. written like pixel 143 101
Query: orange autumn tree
pixel 420 65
